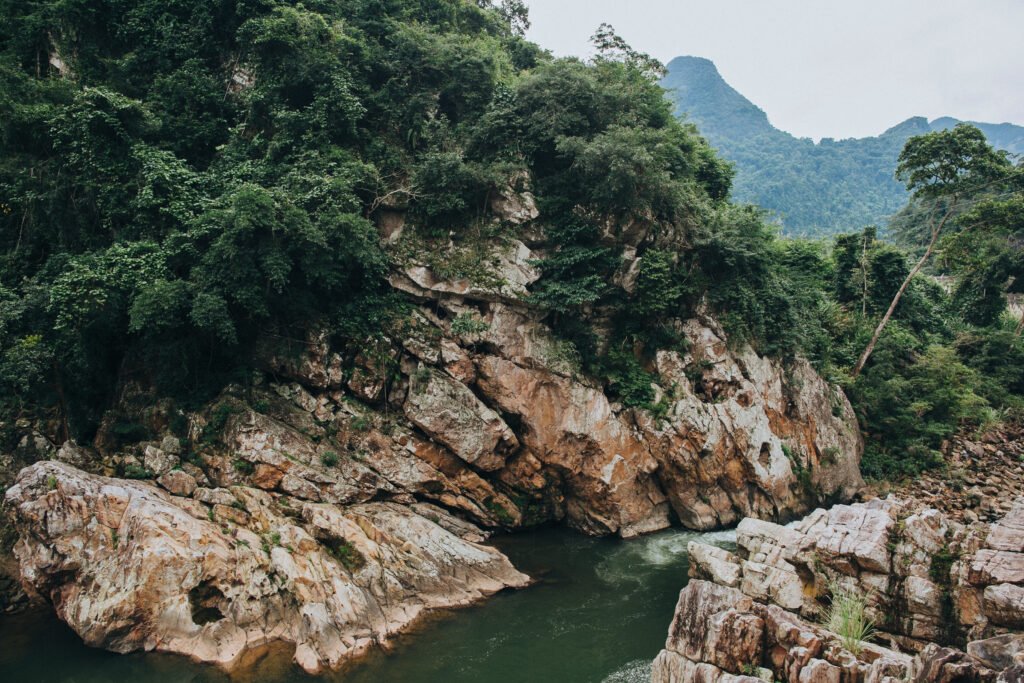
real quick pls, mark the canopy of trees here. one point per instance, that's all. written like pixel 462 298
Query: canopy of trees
pixel 180 181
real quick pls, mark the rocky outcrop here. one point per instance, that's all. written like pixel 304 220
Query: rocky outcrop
pixel 327 451
pixel 448 411
pixel 749 436
pixel 501 400
pixel 980 480
pixel 605 464
pixel 131 567
pixel 930 585
pixel 471 414
pixel 721 635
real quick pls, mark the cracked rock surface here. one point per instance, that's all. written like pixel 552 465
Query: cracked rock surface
pixel 131 567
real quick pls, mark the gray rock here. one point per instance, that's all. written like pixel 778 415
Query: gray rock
pixel 158 461
pixel 998 653
pixel 178 482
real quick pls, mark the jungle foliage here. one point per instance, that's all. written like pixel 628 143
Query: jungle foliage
pixel 183 180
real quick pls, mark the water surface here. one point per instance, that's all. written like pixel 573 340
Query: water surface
pixel 599 613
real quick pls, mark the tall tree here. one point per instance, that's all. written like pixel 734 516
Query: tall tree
pixel 987 256
pixel 949 165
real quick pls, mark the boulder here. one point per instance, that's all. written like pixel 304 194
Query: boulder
pixel 158 461
pixel 514 207
pixel 1003 604
pixel 449 412
pixel 178 482
pixel 1008 534
pixel 1000 652
pixel 714 564
pixel 670 667
pixel 315 365
pixel 72 454
pixel 996 566
pixel 820 671
pixel 767 583
pixel 858 533
pixel 712 624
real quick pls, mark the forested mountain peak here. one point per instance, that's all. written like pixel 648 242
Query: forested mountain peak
pixel 915 125
pixel 710 102
pixel 813 189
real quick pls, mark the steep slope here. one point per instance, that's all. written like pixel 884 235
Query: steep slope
pixel 815 189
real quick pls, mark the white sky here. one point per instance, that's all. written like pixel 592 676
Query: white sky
pixel 824 68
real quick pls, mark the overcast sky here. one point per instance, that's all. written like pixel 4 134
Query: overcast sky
pixel 824 68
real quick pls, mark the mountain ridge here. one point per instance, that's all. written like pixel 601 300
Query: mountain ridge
pixel 813 188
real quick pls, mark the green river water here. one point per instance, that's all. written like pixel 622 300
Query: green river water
pixel 599 613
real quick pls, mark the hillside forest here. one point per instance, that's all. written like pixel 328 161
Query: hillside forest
pixel 814 189
pixel 184 183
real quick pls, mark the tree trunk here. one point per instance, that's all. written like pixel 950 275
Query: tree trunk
pixel 864 275
pixel 62 404
pixel 1020 326
pixel 899 294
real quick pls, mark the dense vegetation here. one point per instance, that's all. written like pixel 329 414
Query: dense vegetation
pixel 815 189
pixel 184 182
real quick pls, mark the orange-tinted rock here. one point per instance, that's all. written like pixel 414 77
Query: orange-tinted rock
pixel 266 477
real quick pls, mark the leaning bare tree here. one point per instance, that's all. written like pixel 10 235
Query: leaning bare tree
pixel 941 169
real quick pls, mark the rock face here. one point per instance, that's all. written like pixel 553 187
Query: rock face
pixel 447 410
pixel 930 586
pixel 605 464
pixel 400 451
pixel 131 567
pixel 746 436
pixel 501 400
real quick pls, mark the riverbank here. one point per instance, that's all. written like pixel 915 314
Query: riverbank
pixel 597 612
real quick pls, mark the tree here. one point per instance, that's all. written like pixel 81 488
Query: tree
pixel 612 46
pixel 947 165
pixel 987 255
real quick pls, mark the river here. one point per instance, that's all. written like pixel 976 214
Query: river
pixel 598 613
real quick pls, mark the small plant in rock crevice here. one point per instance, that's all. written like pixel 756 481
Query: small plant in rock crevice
pixel 345 553
pixel 469 326
pixel 847 617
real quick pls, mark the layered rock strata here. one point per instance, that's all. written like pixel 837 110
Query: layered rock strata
pixel 131 567
pixel 735 434
pixel 476 416
pixel 930 586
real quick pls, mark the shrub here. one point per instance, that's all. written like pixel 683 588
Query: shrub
pixel 468 325
pixel 243 467
pixel 345 552
pixel 134 471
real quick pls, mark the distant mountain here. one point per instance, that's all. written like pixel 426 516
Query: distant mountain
pixel 815 189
